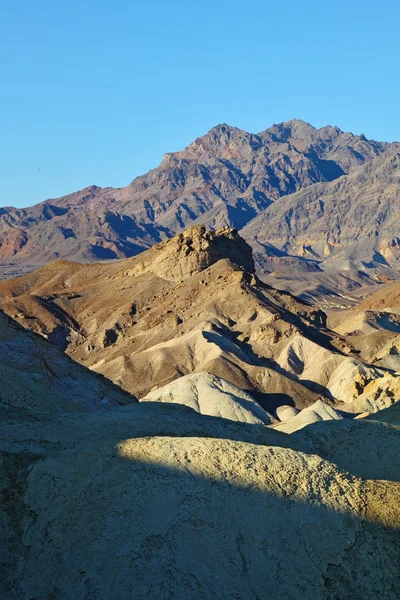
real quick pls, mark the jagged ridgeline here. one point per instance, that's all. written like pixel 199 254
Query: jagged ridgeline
pixel 298 192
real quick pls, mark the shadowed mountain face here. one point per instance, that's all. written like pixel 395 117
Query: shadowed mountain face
pixel 352 221
pixel 227 177
pixel 38 379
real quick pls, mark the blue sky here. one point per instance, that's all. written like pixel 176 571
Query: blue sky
pixel 96 92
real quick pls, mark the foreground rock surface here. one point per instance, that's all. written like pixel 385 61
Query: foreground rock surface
pixel 150 502
pixel 153 500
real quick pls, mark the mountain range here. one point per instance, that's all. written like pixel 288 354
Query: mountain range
pixel 306 199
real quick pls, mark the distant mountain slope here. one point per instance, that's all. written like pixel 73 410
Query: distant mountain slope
pixel 228 177
pixel 353 220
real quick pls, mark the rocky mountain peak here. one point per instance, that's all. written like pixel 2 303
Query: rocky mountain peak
pixel 295 128
pixel 196 249
pixel 226 177
pixel 300 132
pixel 224 131
pixel 225 141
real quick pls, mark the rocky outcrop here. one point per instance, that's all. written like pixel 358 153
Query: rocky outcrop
pixel 377 395
pixel 194 250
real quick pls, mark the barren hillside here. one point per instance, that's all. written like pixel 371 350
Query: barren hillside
pixel 193 304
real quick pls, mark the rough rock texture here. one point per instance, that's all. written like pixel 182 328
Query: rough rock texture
pixel 211 395
pixel 372 327
pixel 377 395
pixel 194 250
pixel 154 500
pixel 351 222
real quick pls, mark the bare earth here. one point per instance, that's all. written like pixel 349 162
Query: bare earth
pixel 194 304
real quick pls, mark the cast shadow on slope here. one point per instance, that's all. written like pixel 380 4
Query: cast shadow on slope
pixel 350 444
pixel 228 342
pixel 155 515
pixel 288 535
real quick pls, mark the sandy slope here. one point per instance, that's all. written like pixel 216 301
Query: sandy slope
pixel 211 395
pixel 191 304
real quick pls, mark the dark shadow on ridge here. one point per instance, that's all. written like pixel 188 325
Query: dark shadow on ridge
pixel 172 527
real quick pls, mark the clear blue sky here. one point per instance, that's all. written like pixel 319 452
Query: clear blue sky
pixel 94 92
